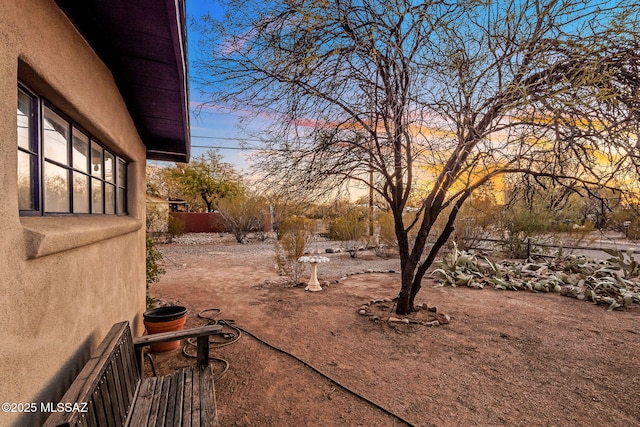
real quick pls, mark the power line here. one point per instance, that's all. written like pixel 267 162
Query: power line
pixel 224 148
pixel 225 138
pixel 238 148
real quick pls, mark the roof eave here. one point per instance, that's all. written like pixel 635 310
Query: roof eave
pixel 145 47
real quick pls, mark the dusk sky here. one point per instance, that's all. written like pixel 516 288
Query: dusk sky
pixel 210 128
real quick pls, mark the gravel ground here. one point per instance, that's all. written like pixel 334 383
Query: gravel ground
pixel 340 265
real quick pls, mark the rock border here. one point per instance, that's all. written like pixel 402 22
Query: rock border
pixel 438 318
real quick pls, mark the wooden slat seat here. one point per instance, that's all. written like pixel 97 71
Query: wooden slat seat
pixel 180 399
pixel 110 389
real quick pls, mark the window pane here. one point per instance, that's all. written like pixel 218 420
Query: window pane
pixel 108 167
pixel 56 188
pixel 25 121
pixel 122 173
pixel 80 151
pixel 109 199
pixel 80 193
pixel 96 160
pixel 55 134
pixel 122 201
pixel 122 187
pixel 26 179
pixel 96 196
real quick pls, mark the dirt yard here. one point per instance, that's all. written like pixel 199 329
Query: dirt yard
pixel 506 358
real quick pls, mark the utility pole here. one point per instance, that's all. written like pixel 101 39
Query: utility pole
pixel 370 199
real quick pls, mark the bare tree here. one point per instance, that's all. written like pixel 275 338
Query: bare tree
pixel 282 201
pixel 428 101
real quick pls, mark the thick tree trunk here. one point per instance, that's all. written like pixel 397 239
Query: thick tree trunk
pixel 407 268
pixel 411 284
pixel 403 306
pixel 404 303
pixel 412 273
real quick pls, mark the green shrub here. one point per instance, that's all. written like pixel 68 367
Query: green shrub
pixel 520 223
pixel 154 271
pixel 350 229
pixel 386 234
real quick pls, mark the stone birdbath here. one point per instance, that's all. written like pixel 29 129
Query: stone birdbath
pixel 313 285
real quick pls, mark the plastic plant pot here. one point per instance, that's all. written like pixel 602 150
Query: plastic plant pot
pixel 165 319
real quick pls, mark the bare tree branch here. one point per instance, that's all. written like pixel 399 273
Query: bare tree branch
pixel 434 97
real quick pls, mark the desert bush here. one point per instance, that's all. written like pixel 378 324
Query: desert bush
pixel 517 225
pixel 386 234
pixel 293 236
pixel 175 226
pixel 633 231
pixel 243 214
pixel 620 216
pixel 476 219
pixel 350 229
pixel 157 218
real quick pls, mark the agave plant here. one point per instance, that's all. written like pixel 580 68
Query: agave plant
pixel 602 283
pixel 616 292
pixel 625 262
pixel 459 268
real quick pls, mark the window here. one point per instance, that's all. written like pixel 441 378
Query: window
pixel 27 155
pixel 61 168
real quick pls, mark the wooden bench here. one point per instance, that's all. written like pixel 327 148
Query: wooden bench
pixel 110 389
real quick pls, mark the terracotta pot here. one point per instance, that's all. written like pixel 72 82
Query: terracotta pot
pixel 165 319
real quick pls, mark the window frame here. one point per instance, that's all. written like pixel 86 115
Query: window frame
pixel 33 152
pixel 39 105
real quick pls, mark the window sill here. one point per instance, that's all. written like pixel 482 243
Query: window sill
pixel 49 235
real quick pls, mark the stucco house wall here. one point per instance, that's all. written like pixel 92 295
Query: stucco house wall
pixel 64 280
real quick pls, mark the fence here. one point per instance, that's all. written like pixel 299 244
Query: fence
pixel 207 222
pixel 531 244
